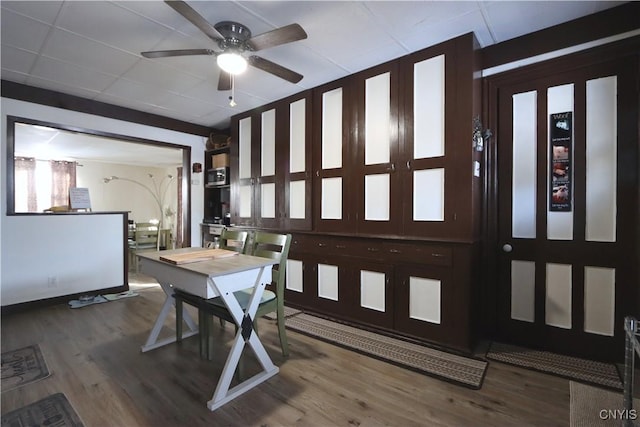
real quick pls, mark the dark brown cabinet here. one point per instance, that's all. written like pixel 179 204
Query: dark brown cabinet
pixel 271 165
pixel 384 202
pixel 410 288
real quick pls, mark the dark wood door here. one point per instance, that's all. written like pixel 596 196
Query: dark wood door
pixel 567 180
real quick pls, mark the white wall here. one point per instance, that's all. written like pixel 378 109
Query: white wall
pixel 121 195
pixel 36 247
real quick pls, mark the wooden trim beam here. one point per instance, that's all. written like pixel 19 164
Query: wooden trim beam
pixel 51 98
pixel 610 22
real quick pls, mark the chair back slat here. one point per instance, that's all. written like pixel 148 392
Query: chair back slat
pixel 234 240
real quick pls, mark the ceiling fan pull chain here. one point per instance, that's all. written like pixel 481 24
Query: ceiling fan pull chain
pixel 233 91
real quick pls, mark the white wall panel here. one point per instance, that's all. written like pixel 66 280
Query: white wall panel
pixel 523 289
pixel 268 144
pixel 558 296
pixel 377 112
pixel 428 195
pixel 425 299
pixel 372 290
pixel 602 151
pixel 328 281
pixel 331 199
pixel 523 186
pixel 297 135
pixel 559 224
pixel 428 108
pixel 332 129
pixel 599 300
pixel 377 197
pixel 295 277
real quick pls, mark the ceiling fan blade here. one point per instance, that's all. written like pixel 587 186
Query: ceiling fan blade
pixel 275 69
pixel 195 18
pixel 224 81
pixel 287 34
pixel 179 52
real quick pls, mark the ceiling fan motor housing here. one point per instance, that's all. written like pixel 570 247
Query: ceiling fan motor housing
pixel 235 35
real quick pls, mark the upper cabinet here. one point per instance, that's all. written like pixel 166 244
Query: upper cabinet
pixel 332 156
pixel 440 96
pixel 392 152
pixel 273 157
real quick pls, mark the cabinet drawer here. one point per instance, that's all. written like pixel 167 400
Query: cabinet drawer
pixel 418 253
pixel 321 245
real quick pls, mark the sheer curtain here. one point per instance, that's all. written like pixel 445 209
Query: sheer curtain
pixel 25 184
pixel 41 184
pixel 63 177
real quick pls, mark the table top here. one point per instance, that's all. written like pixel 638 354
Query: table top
pixel 211 268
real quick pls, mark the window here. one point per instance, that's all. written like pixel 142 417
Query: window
pixel 41 184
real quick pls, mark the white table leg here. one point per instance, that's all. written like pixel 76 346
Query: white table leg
pixel 169 302
pixel 222 393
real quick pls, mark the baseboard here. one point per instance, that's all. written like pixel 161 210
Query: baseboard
pixel 29 305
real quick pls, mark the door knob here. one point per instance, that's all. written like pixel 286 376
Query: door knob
pixel 507 247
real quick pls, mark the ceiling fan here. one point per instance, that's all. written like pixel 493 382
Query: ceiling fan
pixel 234 39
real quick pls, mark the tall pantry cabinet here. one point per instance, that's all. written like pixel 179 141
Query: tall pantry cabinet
pixel 391 186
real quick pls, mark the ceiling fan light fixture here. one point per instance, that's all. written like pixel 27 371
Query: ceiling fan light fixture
pixel 232 63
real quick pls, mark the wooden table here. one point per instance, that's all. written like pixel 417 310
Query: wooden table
pixel 209 279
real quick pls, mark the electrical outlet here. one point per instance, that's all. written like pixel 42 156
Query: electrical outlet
pixel 52 282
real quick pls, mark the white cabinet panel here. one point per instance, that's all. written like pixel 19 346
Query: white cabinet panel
pixel 523 186
pixel 372 290
pixel 523 274
pixel 599 300
pixel 268 144
pixel 244 210
pixel 376 197
pixel 268 200
pixel 377 114
pixel 295 276
pixel 297 135
pixel 425 299
pixel 428 108
pixel 602 151
pixel 332 129
pixel 244 148
pixel 328 281
pixel 297 199
pixel 428 195
pixel 331 198
pixel 558 296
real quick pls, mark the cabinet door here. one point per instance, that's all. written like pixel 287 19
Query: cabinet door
pixel 329 286
pixel 376 181
pixel 243 130
pixel 295 158
pixel 439 98
pixel 373 294
pixel 331 157
pixel 424 302
pixel 268 208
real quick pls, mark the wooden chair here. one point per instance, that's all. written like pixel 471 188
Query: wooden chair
pixel 268 245
pixel 234 240
pixel 145 239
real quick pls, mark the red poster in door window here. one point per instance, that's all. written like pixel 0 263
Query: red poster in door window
pixel 561 142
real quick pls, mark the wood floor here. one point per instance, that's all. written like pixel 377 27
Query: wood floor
pixel 95 359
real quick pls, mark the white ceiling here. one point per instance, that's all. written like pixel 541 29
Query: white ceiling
pixel 92 48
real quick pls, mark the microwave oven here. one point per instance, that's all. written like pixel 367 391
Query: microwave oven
pixel 218 176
